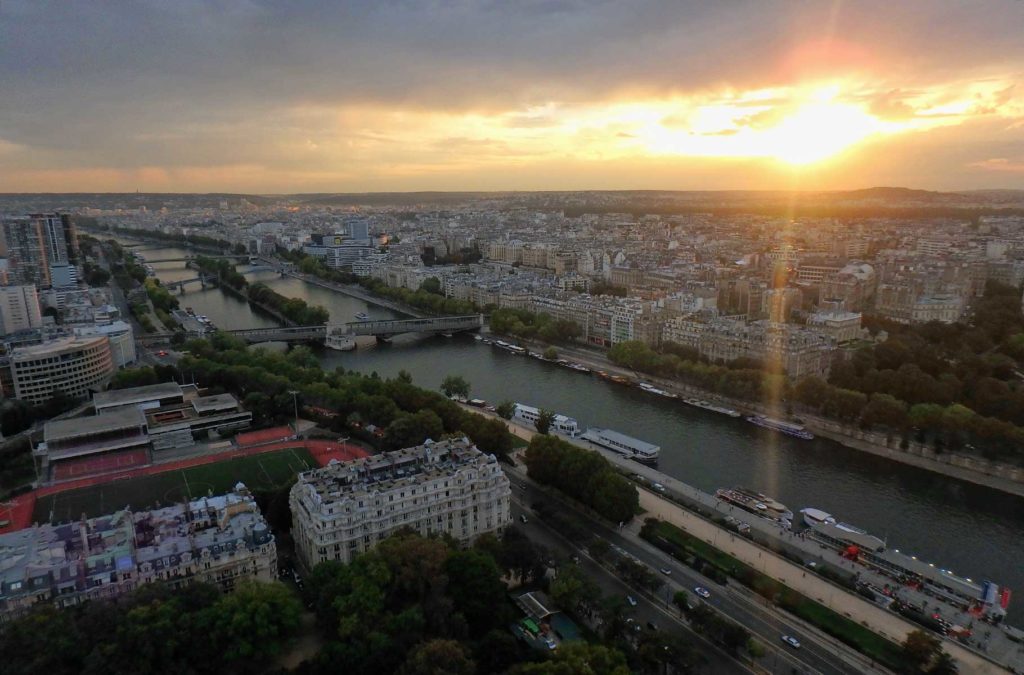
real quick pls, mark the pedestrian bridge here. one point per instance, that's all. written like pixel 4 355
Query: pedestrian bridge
pixel 382 330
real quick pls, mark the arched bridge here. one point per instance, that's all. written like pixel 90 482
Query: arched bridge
pixel 382 330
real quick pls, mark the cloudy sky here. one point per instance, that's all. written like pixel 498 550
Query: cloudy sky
pixel 377 95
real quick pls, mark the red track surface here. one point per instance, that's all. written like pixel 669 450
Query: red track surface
pixel 19 510
pixel 75 468
pixel 263 436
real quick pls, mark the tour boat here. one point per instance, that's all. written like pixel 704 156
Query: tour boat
pixel 560 423
pixel 788 428
pixel 633 448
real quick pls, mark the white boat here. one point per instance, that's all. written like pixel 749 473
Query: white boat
pixel 711 407
pixel 340 339
pixel 560 423
pixel 814 517
pixel 478 337
pixel 362 316
pixel 788 428
pixel 651 389
pixel 634 448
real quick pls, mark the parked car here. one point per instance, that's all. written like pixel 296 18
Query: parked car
pixel 631 600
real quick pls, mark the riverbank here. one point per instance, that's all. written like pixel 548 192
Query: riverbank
pixel 770 563
pixel 357 292
pixel 977 470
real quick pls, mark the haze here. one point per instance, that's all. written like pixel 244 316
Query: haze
pixel 277 97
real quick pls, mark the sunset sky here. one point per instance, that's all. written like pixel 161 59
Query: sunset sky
pixel 272 97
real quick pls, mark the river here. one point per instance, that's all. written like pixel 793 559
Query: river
pixel 971 530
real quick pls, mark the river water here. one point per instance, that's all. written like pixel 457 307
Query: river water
pixel 971 530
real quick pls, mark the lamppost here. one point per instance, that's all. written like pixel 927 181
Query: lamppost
pixel 295 402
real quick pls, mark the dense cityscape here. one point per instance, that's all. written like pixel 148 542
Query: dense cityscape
pixel 560 337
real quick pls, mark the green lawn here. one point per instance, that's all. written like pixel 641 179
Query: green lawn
pixel 258 472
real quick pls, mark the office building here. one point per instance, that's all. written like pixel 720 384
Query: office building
pixel 76 366
pixel 447 487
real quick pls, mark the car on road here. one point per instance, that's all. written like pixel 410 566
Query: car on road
pixel 791 641
pixel 162 352
pixel 524 519
pixel 702 592
pixel 631 600
pixel 659 487
pixel 652 625
pixel 666 571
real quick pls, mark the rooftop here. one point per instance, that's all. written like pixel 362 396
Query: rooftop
pixel 391 470
pixel 135 395
pixel 51 346
pixel 60 430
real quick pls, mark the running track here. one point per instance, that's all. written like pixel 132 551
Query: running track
pixel 19 510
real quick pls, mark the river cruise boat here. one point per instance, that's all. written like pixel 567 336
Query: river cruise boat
pixel 814 517
pixel 711 407
pixel 651 389
pixel 788 428
pixel 362 316
pixel 633 448
pixel 757 503
pixel 339 339
pixel 509 347
pixel 560 423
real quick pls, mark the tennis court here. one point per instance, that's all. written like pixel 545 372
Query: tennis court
pixel 259 472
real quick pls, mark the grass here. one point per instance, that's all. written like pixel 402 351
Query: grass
pixel 258 472
pixel 518 442
pixel 670 538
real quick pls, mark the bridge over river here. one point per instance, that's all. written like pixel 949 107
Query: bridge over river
pixel 381 329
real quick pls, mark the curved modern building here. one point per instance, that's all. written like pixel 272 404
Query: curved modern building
pixel 76 366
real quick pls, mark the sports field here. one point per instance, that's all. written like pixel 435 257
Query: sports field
pixel 259 472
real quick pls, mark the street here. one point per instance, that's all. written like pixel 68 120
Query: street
pixel 764 623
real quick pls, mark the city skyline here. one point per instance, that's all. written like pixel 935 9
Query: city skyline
pixel 278 98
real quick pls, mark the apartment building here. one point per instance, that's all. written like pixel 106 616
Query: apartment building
pixel 448 487
pixel 19 309
pixel 219 540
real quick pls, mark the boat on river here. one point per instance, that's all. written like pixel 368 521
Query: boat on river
pixel 560 423
pixel 633 448
pixel 757 503
pixel 362 316
pixel 788 428
pixel 651 389
pixel 711 407
pixel 339 339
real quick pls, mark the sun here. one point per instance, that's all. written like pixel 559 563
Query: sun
pixel 809 128
pixel 816 132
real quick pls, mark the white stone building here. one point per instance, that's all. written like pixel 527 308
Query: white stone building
pixel 448 487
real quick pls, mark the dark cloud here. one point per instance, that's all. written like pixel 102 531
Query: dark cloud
pixel 190 82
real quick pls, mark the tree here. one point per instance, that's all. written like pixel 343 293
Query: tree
pixel 573 589
pixel 438 657
pixel 550 354
pixel 944 664
pixel 455 385
pixel 254 620
pixel 432 285
pixel 919 649
pixel 578 658
pixel 506 409
pixel 480 594
pixel 544 420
